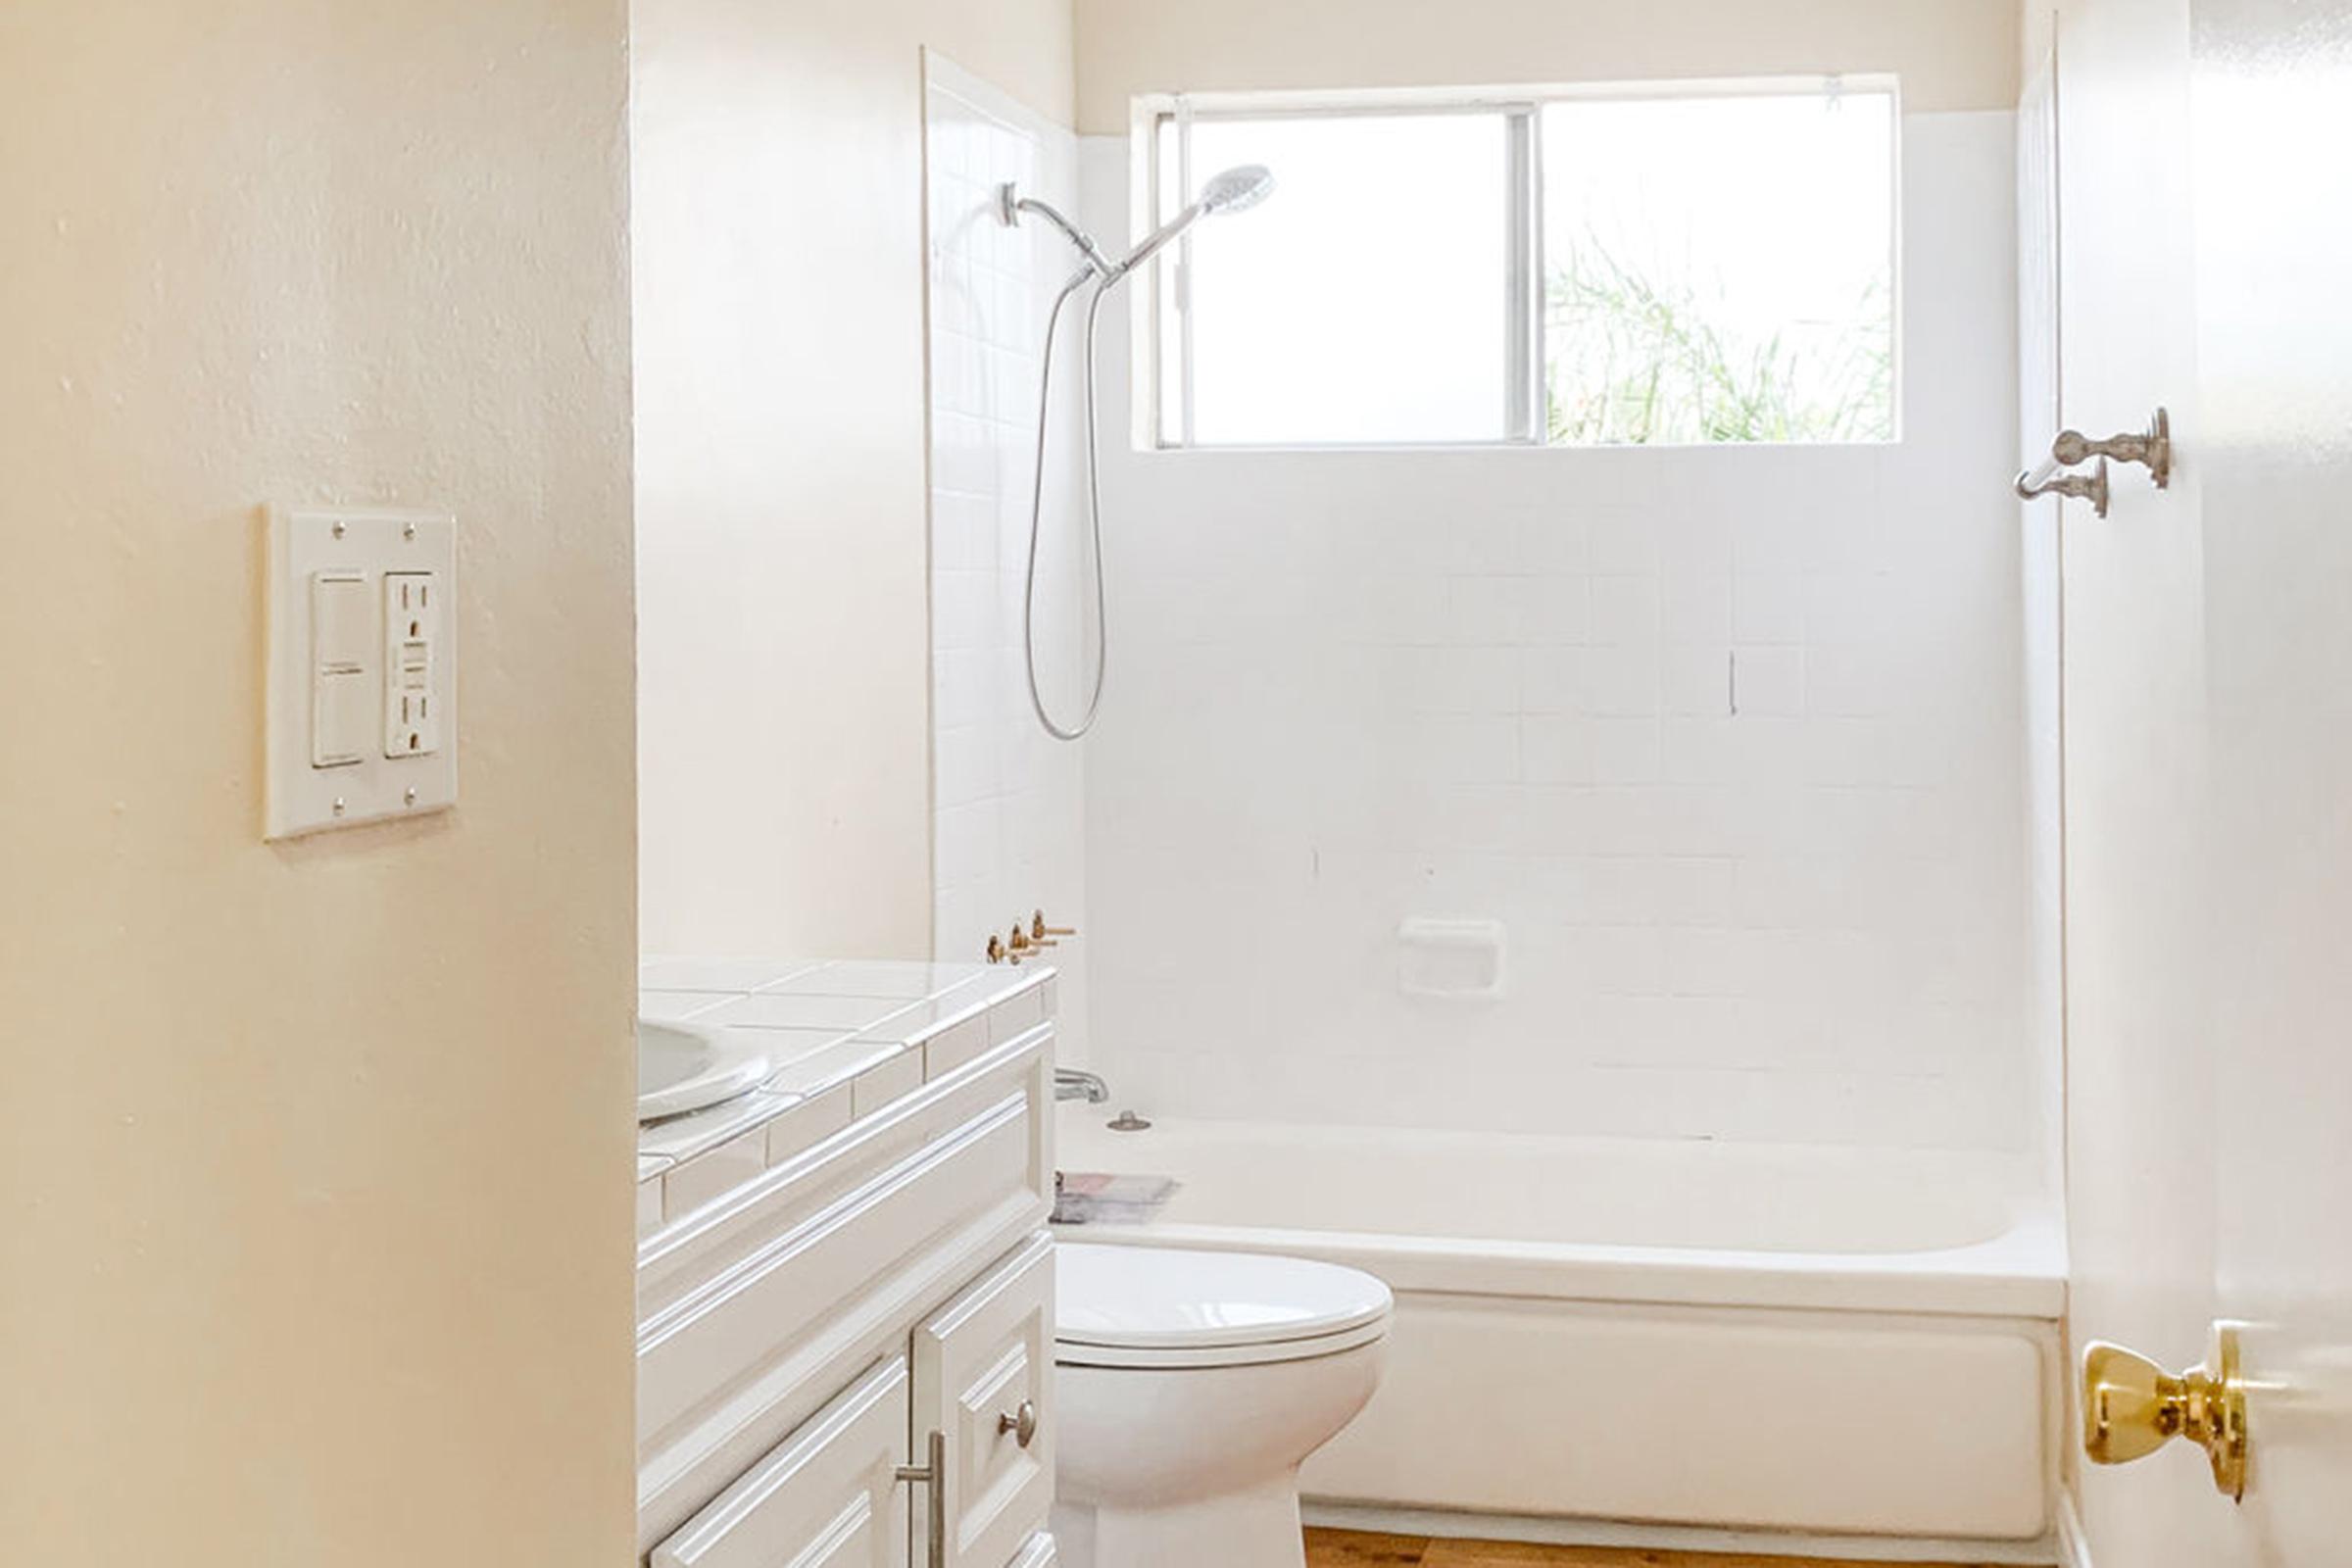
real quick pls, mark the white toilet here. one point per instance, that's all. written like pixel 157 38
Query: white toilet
pixel 1192 1386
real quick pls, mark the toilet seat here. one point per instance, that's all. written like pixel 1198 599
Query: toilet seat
pixel 1166 1308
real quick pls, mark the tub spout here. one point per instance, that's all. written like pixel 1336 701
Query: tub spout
pixel 1071 1083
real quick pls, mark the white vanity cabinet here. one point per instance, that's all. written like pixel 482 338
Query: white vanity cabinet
pixel 845 1360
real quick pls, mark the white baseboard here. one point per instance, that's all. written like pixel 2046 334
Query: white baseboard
pixel 1684 1538
pixel 2073 1547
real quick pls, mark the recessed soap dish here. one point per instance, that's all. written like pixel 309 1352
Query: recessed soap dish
pixel 1451 961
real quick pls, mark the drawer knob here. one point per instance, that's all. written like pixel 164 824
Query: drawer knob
pixel 1022 1423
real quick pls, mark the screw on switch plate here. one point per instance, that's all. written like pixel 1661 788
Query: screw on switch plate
pixel 339 750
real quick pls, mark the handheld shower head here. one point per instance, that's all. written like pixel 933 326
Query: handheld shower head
pixel 1229 192
pixel 1236 191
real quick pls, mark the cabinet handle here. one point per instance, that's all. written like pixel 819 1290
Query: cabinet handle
pixel 932 1477
pixel 1022 1423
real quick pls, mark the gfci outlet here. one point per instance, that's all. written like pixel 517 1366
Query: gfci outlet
pixel 361 668
pixel 412 644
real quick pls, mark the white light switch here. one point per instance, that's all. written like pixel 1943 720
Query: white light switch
pixel 343 642
pixel 363 667
pixel 342 620
pixel 342 717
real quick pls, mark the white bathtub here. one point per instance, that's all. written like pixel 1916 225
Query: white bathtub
pixel 1826 1341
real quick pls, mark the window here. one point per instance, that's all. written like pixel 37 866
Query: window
pixel 1366 301
pixel 1596 268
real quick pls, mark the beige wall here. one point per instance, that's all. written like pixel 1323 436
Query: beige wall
pixel 314 1196
pixel 782 568
pixel 1953 54
pixel 2038 35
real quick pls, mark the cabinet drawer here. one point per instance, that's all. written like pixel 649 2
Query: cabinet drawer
pixel 977 1363
pixel 825 1498
pixel 866 1228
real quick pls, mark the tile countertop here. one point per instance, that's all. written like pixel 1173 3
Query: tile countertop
pixel 850 1035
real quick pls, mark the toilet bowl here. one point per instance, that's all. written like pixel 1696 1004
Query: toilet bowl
pixel 1192 1386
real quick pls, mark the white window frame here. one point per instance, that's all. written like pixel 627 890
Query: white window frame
pixel 1165 285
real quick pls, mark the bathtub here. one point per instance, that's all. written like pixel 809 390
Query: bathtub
pixel 1830 1341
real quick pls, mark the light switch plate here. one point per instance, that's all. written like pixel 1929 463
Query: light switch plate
pixel 306 793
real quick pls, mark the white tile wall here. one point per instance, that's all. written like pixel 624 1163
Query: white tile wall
pixel 2042 560
pixel 1728 738
pixel 1008 800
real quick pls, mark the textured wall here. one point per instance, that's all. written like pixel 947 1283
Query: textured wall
pixel 313 1209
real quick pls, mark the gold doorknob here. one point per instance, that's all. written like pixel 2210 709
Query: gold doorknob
pixel 2132 1407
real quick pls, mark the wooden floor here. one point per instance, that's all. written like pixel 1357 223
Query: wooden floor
pixel 1336 1548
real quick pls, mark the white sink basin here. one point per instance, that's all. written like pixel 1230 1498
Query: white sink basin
pixel 682 1068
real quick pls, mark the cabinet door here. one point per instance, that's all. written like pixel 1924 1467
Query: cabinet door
pixel 825 1498
pixel 977 1363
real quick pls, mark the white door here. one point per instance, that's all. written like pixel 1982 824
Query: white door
pixel 2271 115
pixel 2206 215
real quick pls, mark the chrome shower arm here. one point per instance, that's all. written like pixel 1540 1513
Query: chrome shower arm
pixel 1011 203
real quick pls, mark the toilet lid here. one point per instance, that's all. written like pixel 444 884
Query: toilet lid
pixel 1154 1298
